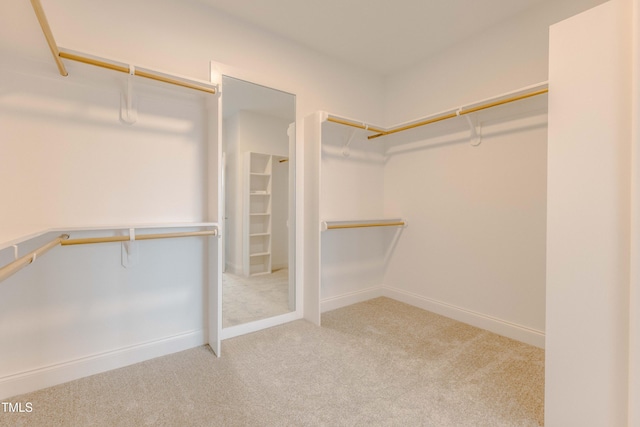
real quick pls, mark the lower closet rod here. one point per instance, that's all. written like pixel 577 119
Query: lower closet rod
pixel 326 226
pixel 17 265
pixel 138 237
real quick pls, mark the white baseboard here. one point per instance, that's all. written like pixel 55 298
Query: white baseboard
pixel 340 301
pixel 501 327
pixel 36 379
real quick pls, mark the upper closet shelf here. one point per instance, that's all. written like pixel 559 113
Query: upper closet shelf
pixel 138 71
pixel 122 67
pixel 26 237
pixel 505 98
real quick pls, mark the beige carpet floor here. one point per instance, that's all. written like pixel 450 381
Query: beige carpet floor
pixel 377 363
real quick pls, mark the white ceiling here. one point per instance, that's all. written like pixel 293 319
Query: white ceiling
pixel 383 36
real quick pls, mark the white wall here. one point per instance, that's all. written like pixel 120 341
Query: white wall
pixel 475 246
pixel 351 188
pixel 260 133
pixel 506 57
pixel 74 163
pixel 588 235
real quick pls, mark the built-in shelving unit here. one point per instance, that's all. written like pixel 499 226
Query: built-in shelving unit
pixel 257 218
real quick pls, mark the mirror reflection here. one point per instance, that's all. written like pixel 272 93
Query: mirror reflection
pixel 259 183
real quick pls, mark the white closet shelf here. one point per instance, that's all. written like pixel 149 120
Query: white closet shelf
pixel 367 223
pixel 259 234
pixel 514 95
pixel 26 237
pixel 22 261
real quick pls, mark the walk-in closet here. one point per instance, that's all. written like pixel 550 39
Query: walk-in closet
pixel 339 213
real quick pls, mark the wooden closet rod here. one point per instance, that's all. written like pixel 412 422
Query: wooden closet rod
pixel 460 112
pixel 445 116
pixel 17 265
pixel 363 126
pixel 89 240
pixel 338 225
pixel 363 225
pixel 51 41
pixel 57 55
pixel 136 72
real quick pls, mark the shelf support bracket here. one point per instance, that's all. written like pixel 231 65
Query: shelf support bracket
pixel 345 150
pixel 128 111
pixel 475 128
pixel 130 254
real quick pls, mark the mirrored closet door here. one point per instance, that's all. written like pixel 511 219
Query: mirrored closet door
pixel 258 143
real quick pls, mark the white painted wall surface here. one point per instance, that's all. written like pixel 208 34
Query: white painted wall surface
pixel 74 163
pixel 351 189
pixel 475 246
pixel 588 219
pixel 352 186
pixel 503 58
pixel 260 133
pixel 311 127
